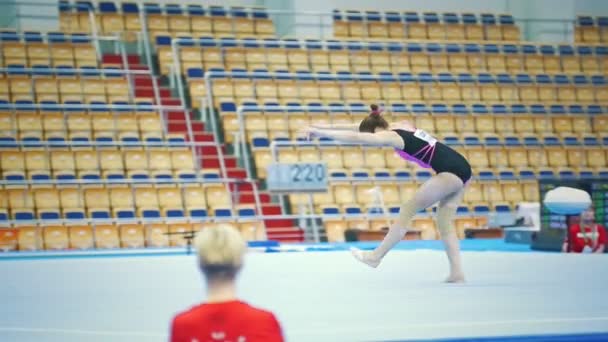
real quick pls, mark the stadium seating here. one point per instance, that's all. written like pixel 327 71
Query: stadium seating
pixel 56 49
pixel 174 19
pixel 337 56
pixel 591 30
pixel 423 26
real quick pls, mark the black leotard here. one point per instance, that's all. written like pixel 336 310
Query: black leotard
pixel 427 152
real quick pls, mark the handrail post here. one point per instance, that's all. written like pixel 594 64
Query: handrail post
pixel 258 205
pixel 241 120
pixel 94 32
pixel 125 62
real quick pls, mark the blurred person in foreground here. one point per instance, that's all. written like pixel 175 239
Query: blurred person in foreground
pixel 223 317
pixel 586 236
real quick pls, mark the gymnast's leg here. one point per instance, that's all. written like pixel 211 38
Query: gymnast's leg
pixel 432 191
pixel 445 214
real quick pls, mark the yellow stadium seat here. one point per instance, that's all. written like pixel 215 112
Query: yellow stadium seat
pixel 599 123
pixel 332 157
pixel 455 32
pixel 87 161
pixel 396 30
pixel 178 231
pixel 510 32
pixel 534 64
pixel 8 239
pixel 417 31
pixel 470 93
pixel 121 200
pixel 590 64
pixel 512 192
pixel 55 237
pixel 135 160
pixel 132 236
pixel 478 157
pixel 170 199
pixel 370 91
pixel 62 161
pixel 182 160
pixel 473 193
pixel 21 89
pixel 30 238
pixel 596 157
pixel 571 64
pixel 106 236
pixel 353 158
pixel 71 201
pixel 46 201
pixel 557 157
pixel 111 161
pixel 97 200
pixel 145 198
pixel 552 64
pixel 517 157
pixel 156 235
pixel 390 194
pixel 344 194
pixel 12 161
pixel 537 157
pixel 81 237
pixel 194 198
pixel 340 29
pixel 576 156
pixel 351 91
pixel 217 195
pixel 530 190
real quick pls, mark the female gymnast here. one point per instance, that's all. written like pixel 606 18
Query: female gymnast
pixel 446 187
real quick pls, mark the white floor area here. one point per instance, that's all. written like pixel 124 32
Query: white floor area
pixel 324 296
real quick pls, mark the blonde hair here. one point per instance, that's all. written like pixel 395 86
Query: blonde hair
pixel 220 250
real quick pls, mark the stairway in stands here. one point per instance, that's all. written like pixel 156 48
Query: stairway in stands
pixel 280 230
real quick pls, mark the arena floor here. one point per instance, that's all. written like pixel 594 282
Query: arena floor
pixel 317 296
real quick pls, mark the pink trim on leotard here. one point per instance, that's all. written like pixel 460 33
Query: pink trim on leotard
pixel 422 161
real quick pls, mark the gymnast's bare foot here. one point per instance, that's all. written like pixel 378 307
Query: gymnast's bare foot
pixel 456 278
pixel 366 257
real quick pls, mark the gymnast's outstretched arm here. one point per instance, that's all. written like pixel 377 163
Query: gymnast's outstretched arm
pixel 384 138
pixel 338 126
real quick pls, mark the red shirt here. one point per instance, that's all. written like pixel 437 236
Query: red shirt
pixel 578 240
pixel 233 321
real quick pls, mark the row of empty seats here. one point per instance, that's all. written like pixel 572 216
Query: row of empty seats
pixel 400 108
pixel 263 139
pixel 87 90
pixel 293 45
pixel 99 123
pixel 423 78
pixel 336 227
pixel 277 122
pixel 428 25
pixel 102 236
pixel 120 202
pixel 91 164
pixel 54 48
pixel 111 17
pixel 355 198
pixel 591 29
pixel 285 91
pixel 402 58
pixel 355 158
